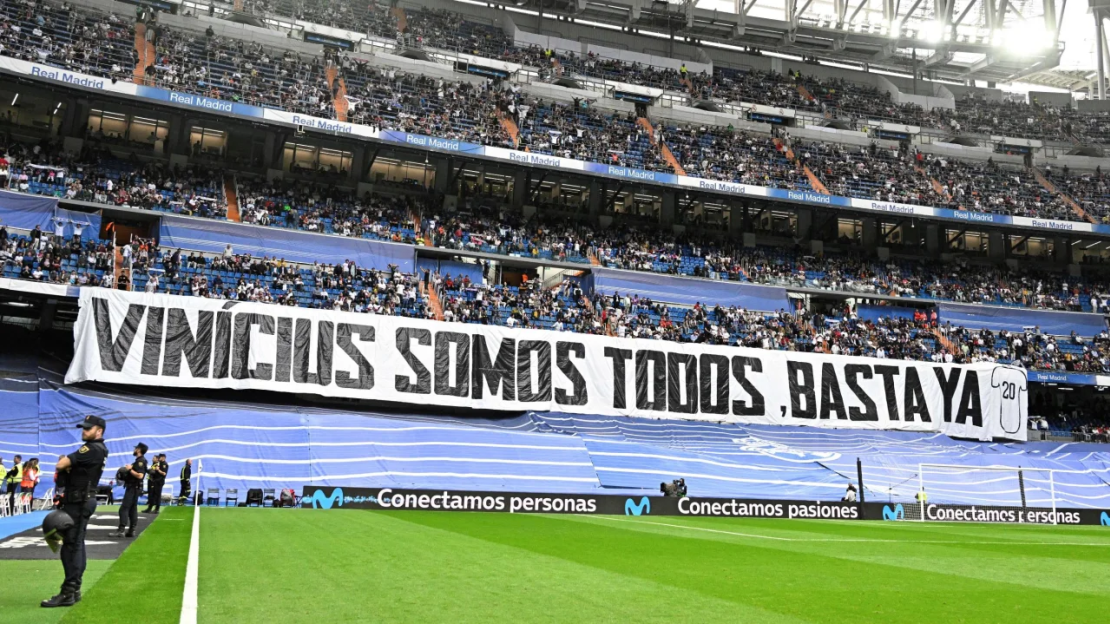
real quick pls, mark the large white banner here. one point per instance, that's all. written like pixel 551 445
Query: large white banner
pixel 167 340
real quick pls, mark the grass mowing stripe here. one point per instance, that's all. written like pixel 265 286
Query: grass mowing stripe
pixel 145 581
pixel 694 528
pixel 361 566
pixel 28 582
pixel 878 540
pixel 1000 534
pixel 806 581
pixel 1053 568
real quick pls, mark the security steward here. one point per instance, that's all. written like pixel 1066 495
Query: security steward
pixel 156 480
pixel 133 488
pixel 77 477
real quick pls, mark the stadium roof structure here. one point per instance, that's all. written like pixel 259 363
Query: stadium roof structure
pixel 953 40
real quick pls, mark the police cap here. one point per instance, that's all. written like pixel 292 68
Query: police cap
pixel 92 421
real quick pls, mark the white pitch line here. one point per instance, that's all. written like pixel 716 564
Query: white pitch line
pixel 850 539
pixel 189 598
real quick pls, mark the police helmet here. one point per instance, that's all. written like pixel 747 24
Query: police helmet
pixel 54 525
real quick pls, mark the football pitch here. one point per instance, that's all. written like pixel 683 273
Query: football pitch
pixel 276 565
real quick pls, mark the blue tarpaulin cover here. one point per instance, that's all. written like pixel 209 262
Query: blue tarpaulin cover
pixel 686 291
pixel 875 312
pixel 306 247
pixel 1016 319
pixel 243 445
pixel 24 212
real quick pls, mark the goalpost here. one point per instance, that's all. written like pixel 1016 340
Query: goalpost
pixel 985 493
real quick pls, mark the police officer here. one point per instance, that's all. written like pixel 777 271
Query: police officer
pixel 186 480
pixel 12 479
pixel 156 481
pixel 133 487
pixel 77 478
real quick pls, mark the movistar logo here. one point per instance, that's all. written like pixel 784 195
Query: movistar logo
pixel 1104 519
pixel 632 508
pixel 319 501
pixel 894 514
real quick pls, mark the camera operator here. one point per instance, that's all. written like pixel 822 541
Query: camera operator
pixel 674 489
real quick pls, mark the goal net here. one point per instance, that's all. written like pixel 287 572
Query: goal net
pixel 954 493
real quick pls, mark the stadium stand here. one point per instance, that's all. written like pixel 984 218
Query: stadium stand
pixel 447 30
pixel 342 287
pixel 86 262
pixel 878 305
pixel 248 72
pixel 481 225
pixel 347 287
pixel 243 71
pixel 96 175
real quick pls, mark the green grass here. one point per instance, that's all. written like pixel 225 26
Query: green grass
pixel 359 566
pixel 26 583
pixel 145 583
pixel 348 566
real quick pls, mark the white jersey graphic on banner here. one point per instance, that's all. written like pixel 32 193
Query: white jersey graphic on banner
pixel 1010 383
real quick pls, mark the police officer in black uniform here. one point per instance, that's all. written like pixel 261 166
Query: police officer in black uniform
pixel 186 480
pixel 133 487
pixel 158 469
pixel 78 476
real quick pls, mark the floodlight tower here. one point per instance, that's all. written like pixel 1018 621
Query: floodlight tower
pixel 1100 9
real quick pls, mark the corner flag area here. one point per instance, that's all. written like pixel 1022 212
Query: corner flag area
pixel 305 565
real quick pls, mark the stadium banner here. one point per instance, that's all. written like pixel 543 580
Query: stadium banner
pixel 428 142
pixel 334 127
pixel 200 102
pixel 1071 379
pixel 808 197
pixel 531 158
pixel 155 339
pixel 401 499
pixel 388 498
pixel 330 126
pixel 76 79
pixel 1064 226
pixel 911 512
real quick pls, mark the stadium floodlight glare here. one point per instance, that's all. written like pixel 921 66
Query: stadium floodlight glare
pixel 932 32
pixel 1026 37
